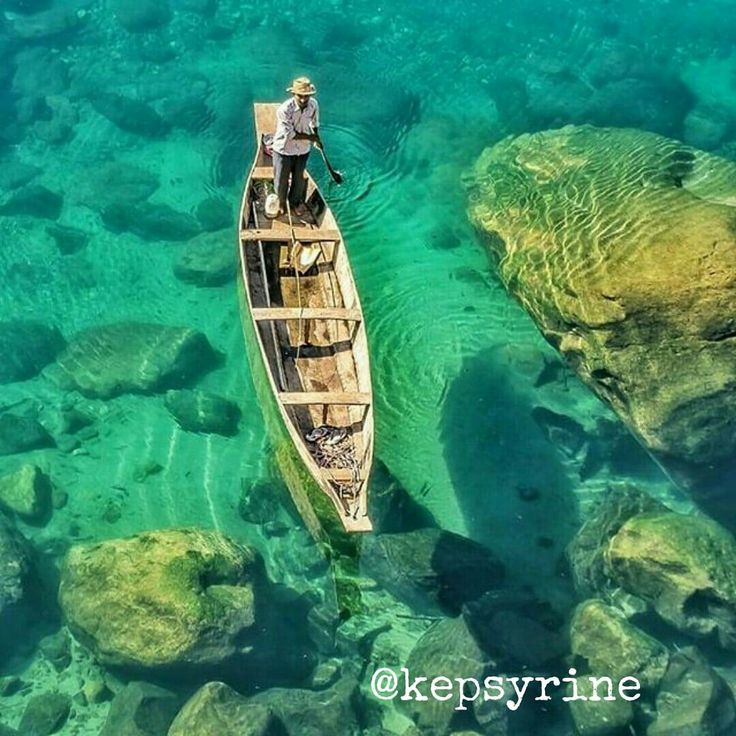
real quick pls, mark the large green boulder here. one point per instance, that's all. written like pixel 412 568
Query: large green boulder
pixel 621 245
pixel 217 710
pixel 613 647
pixel 585 552
pixel 132 357
pixel 684 566
pixel 175 599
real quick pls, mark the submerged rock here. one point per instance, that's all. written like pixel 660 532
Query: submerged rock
pixel 586 551
pixel 16 567
pixel 45 714
pixel 26 492
pixel 447 648
pixel 217 710
pixel 26 347
pixel 198 411
pixel 315 713
pixel 68 239
pixel 517 630
pixel 172 599
pixel 693 699
pixel 684 566
pixel 33 200
pixel 22 434
pixel 600 717
pixel 141 709
pixel 132 357
pixel 207 260
pixel 431 569
pixel 613 647
pixel 132 116
pixel 620 244
pixel 151 222
pixel 116 183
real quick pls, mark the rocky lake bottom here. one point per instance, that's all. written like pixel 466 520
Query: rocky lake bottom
pixel 551 338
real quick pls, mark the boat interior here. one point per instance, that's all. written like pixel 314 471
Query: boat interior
pixel 309 322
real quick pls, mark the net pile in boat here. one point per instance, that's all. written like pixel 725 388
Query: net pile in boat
pixel 333 448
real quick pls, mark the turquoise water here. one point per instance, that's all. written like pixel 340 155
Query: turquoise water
pixel 410 95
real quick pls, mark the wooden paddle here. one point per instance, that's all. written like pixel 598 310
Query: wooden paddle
pixel 336 175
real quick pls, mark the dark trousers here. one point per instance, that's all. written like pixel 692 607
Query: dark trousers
pixel 294 167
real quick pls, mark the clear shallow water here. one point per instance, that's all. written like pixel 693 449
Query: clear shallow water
pixel 410 96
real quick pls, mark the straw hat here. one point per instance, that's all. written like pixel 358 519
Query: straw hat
pixel 302 86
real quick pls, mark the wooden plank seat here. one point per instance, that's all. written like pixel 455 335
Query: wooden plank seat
pixel 341 474
pixel 304 234
pixel 263 172
pixel 306 398
pixel 261 314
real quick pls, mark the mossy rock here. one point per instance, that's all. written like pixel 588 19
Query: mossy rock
pixel 217 710
pixel 203 412
pixel 621 245
pixel 684 566
pixel 613 647
pixel 26 492
pixel 207 260
pixel 132 357
pixel 173 599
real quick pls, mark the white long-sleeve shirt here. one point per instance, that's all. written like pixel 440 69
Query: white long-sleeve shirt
pixel 290 119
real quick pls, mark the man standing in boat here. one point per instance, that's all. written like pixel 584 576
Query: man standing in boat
pixel 297 127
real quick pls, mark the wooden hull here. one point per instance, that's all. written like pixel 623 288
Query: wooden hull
pixel 302 385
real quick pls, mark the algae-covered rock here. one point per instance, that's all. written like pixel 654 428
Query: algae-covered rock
pixel 141 709
pixel 585 553
pixel 447 648
pixel 613 647
pixel 175 598
pixel 431 569
pixel 200 411
pixel 217 710
pixel 693 699
pixel 133 357
pixel 684 566
pixel 621 245
pixel 26 347
pixel 26 492
pixel 207 260
pixel 130 115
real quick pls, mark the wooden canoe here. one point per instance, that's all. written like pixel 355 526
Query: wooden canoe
pixel 308 350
